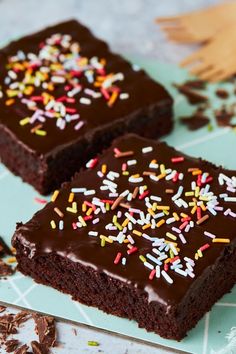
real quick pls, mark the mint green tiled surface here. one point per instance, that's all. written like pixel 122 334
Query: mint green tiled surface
pixel 17 204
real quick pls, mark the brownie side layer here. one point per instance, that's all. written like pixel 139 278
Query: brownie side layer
pixel 91 287
pixel 46 173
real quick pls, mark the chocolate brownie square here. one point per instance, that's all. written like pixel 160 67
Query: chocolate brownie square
pixel 64 97
pixel 145 233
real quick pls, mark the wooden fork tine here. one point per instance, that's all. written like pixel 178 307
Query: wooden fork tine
pixel 211 73
pixel 196 56
pixel 166 19
pixel 200 68
pixel 223 75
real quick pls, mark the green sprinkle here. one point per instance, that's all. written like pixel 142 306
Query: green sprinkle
pixel 92 343
pixel 210 127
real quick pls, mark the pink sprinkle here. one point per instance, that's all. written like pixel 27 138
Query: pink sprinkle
pixel 79 125
pixel 175 178
pixel 105 93
pixel 182 226
pixel 70 110
pixel 143 195
pixel 124 167
pixel 116 151
pixel 166 267
pixel 74 225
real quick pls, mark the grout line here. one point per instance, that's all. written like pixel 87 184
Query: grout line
pixel 227 304
pixel 25 293
pixel 204 138
pixel 17 290
pixel 205 338
pixel 83 313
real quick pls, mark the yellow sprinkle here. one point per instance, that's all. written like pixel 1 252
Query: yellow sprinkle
pixel 170 235
pixel 196 256
pixel 166 212
pixel 89 212
pixel 105 238
pixel 24 121
pixel 112 99
pixel 142 258
pixel 203 207
pixel 173 243
pixel 183 215
pixel 55 195
pixel 151 212
pixel 163 207
pixel 125 173
pixel 162 175
pixel 40 132
pixel 74 205
pixel 81 219
pixel 11 260
pixel 103 242
pixel 199 252
pixel 136 232
pixel 189 194
pixel 84 207
pixel 114 219
pixel 104 169
pixel 176 216
pixel 107 206
pixel 221 240
pixel 196 172
pixel 162 169
pixel 192 204
pixel 71 210
pixel 126 241
pixel 53 224
pixel 167 260
pixel 171 254
pixel 118 226
pixel 194 209
pixel 159 223
pixel 9 102
pixel 146 226
pixel 197 190
pixel 136 176
pixel 12 93
pixel 125 222
pixel 71 198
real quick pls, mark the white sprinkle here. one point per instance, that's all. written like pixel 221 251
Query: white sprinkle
pixel 148 265
pixel 85 100
pixel 147 149
pixel 135 180
pixel 209 234
pixel 93 233
pixel 79 125
pixel 58 79
pixel 182 238
pixel 153 165
pixel 61 225
pixel 181 272
pixel 90 192
pixel 167 277
pixel 78 190
pixel 95 221
pixel 158 271
pixel 131 162
pixel 123 261
pixel 130 218
pixel 124 96
pixel 230 199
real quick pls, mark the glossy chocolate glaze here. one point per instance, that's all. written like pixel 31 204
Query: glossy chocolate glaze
pixel 38 238
pixel 143 92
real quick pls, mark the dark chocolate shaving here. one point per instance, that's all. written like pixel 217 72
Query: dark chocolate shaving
pixel 224 116
pixel 22 350
pixel 4 249
pixel 196 84
pixel 11 345
pixel 192 96
pixel 196 121
pixel 39 348
pixel 45 328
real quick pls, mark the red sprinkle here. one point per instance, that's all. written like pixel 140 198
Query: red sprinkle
pixel 182 226
pixel 132 250
pixel 152 274
pixel 117 259
pixel 204 247
pixel 176 177
pixel 199 213
pixel 177 159
pixel 166 267
pixel 143 195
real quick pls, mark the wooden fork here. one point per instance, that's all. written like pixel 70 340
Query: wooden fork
pixel 216 60
pixel 199 26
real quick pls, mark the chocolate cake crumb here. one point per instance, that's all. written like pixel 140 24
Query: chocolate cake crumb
pixel 221 93
pixel 46 330
pixel 22 350
pixel 11 345
pixel 4 249
pixel 21 317
pixel 39 348
pixel 192 96
pixel 2 309
pixel 5 269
